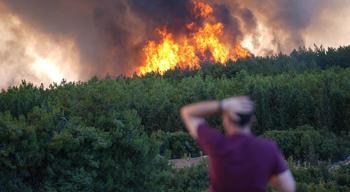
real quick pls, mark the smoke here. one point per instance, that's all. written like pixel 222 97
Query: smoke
pixel 284 22
pixel 27 54
pixel 101 31
pixel 107 37
pixel 284 25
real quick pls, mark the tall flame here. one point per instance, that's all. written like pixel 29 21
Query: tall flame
pixel 204 42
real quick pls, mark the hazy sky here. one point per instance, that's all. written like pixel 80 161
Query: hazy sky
pixel 331 27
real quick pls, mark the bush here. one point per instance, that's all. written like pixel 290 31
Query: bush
pixel 194 179
pixel 322 178
pixel 177 144
pixel 307 144
pixel 78 158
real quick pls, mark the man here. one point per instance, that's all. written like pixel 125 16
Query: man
pixel 238 161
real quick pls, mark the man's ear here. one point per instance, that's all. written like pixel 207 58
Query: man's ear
pixel 233 116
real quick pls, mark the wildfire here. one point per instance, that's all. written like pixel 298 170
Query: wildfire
pixel 201 9
pixel 204 42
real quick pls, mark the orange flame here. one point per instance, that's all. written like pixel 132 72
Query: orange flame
pixel 201 9
pixel 205 42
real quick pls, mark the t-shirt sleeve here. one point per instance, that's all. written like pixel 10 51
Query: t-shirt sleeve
pixel 209 139
pixel 279 163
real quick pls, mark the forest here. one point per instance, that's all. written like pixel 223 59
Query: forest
pixel 118 133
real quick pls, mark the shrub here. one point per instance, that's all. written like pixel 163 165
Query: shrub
pixel 177 144
pixel 78 158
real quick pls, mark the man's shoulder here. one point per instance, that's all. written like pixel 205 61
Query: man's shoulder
pixel 204 128
pixel 209 139
pixel 265 143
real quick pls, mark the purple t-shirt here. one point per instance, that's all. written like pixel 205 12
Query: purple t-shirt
pixel 240 162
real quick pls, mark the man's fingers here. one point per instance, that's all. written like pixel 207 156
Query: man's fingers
pixel 240 104
pixel 248 104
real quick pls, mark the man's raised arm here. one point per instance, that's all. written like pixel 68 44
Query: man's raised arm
pixel 194 114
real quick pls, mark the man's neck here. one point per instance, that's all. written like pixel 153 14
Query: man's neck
pixel 239 131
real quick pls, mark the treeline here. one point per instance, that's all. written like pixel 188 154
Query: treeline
pixel 299 61
pixel 317 98
pixel 115 134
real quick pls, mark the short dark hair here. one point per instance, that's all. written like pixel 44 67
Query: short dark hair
pixel 244 119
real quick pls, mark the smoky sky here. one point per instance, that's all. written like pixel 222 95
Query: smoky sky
pixel 110 34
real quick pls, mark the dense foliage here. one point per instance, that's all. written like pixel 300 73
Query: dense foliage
pixel 116 134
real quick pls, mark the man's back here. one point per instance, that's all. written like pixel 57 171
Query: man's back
pixel 239 162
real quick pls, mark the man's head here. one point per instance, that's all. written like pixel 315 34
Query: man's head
pixel 238 114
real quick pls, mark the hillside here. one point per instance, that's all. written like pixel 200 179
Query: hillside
pixel 117 134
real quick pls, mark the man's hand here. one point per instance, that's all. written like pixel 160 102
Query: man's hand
pixel 237 105
pixel 194 114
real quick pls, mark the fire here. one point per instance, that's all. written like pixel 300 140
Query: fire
pixel 201 9
pixel 207 39
pixel 204 42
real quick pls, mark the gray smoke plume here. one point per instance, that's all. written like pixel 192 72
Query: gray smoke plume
pixel 104 32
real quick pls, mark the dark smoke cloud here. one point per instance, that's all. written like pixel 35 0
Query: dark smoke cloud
pixel 110 34
pixel 174 14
